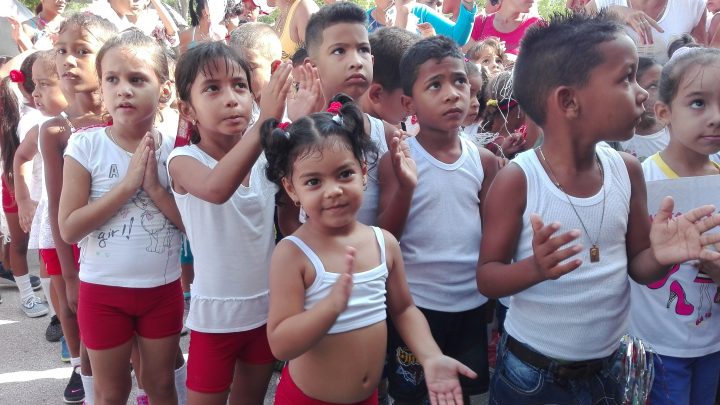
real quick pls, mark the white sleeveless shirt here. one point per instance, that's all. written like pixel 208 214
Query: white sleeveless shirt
pixel 368 212
pixel 583 314
pixel 232 244
pixel 441 241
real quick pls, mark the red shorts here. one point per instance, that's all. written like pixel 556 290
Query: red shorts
pixel 110 316
pixel 8 198
pixel 289 394
pixel 52 261
pixel 212 357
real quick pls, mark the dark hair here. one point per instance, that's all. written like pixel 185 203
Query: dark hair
pixel 196 11
pixel 133 39
pixel 388 45
pixel 26 69
pixel 684 41
pixel 500 90
pixel 336 13
pixel 99 28
pixel 202 58
pixel 560 52
pixel 299 56
pixel 674 71
pixel 435 48
pixel 10 113
pixel 644 64
pixel 304 136
pixel 489 42
pixel 257 36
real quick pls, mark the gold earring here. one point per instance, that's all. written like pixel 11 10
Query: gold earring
pixel 297 204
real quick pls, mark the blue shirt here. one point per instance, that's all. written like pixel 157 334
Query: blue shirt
pixel 459 31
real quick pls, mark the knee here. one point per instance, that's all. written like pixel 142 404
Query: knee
pixel 159 386
pixel 115 394
pixel 64 313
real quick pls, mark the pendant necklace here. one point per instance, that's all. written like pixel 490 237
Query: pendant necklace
pixel 595 249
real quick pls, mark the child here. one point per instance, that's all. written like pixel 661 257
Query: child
pixel 651 136
pixel 490 53
pixel 477 79
pixel 440 221
pixel 569 305
pixel 259 46
pixel 327 301
pixel 129 269
pixel 503 121
pixel 338 46
pixel 80 38
pixel 684 336
pixel 382 99
pixel 227 207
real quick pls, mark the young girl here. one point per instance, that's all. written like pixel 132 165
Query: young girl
pixel 651 136
pixel 503 122
pixel 477 77
pixel 115 202
pixel 675 314
pixel 227 207
pixel 202 27
pixel 328 300
pixel 489 53
pixel 79 39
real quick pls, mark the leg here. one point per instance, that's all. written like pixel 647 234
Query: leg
pixel 68 320
pixel 158 366
pixel 18 245
pixel 250 383
pixel 111 375
pixel 705 375
pixel 672 383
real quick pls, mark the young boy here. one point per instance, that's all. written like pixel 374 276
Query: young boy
pixel 576 79
pixel 337 45
pixel 382 100
pixel 259 45
pixel 441 236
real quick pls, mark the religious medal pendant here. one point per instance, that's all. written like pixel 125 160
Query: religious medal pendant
pixel 594 254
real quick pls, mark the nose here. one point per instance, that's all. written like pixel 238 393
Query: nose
pixel 232 99
pixel 68 60
pixel 642 94
pixel 356 61
pixel 123 89
pixel 714 120
pixel 333 190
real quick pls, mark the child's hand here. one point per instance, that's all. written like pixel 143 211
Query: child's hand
pixel 426 30
pixel 136 169
pixel 547 253
pixel 679 239
pixel 512 144
pixel 272 101
pixel 402 163
pixel 340 293
pixel 26 213
pixel 308 98
pixel 150 180
pixel 711 268
pixel 441 377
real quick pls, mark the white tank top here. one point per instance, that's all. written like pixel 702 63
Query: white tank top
pixel 678 314
pixel 368 212
pixel 232 244
pixel 441 240
pixel 644 146
pixel 583 314
pixel 367 299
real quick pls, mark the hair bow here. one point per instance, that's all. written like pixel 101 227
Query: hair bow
pixel 17 76
pixel 283 125
pixel 274 65
pixel 334 108
pixel 492 103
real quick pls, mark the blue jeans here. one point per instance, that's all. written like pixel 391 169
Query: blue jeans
pixel 685 381
pixel 516 382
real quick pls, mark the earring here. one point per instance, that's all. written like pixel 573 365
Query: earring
pixel 297 204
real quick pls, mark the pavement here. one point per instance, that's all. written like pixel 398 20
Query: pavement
pixel 31 371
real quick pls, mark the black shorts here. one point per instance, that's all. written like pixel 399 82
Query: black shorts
pixel 460 335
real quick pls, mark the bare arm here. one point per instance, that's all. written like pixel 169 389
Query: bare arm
pixel 21 168
pixel 398 177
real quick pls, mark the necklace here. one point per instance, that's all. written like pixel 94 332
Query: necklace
pixel 595 249
pixel 112 137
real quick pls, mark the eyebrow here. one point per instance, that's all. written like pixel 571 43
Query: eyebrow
pixel 336 44
pixel 344 166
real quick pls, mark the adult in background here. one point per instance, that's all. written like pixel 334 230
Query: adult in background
pixel 291 23
pixel 124 14
pixel 654 24
pixel 509 24
pixel 252 9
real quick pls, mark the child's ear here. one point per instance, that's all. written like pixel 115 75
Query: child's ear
pixel 374 93
pixel 290 190
pixel 165 92
pixel 565 100
pixel 662 112
pixel 187 112
pixel 408 104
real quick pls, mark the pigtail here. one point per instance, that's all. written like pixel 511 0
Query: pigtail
pixel 275 138
pixel 10 113
pixel 26 81
pixel 353 121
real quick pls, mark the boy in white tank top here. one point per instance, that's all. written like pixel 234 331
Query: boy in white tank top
pixel 568 222
pixel 439 229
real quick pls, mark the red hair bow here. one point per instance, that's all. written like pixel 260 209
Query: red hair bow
pixel 17 76
pixel 334 108
pixel 283 125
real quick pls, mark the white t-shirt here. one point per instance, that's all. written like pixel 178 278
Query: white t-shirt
pixel 679 17
pixel 368 212
pixel 644 146
pixel 30 118
pixel 232 244
pixel 677 315
pixel 138 247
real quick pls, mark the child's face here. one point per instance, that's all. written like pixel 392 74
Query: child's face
pixel 474 109
pixel 328 181
pixel 343 60
pixel 131 90
pixel 649 81
pixel 491 60
pixel 522 6
pixel 693 116
pixel 441 94
pixel 221 101
pixel 250 10
pixel 611 103
pixel 391 108
pixel 57 6
pixel 260 69
pixel 75 61
pixel 48 96
pixel 713 6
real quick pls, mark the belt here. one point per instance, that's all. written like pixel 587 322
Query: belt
pixel 570 370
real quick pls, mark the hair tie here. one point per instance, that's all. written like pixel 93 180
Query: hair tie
pixel 283 126
pixel 492 103
pixel 274 65
pixel 334 109
pixel 17 76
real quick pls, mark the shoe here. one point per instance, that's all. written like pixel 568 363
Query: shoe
pixel 74 391
pixel 54 331
pixel 142 400
pixel 33 307
pixel 64 351
pixel 7 278
pixel 185 330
